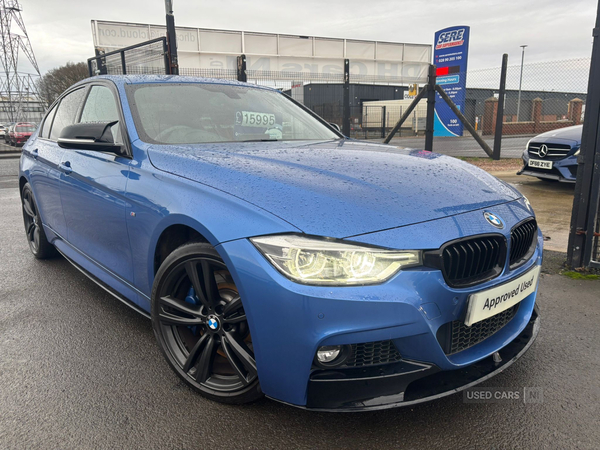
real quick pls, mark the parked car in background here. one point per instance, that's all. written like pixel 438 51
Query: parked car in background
pixel 7 128
pixel 552 156
pixel 275 256
pixel 2 131
pixel 20 132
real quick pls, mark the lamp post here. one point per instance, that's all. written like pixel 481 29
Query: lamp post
pixel 520 82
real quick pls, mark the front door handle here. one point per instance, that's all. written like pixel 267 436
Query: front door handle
pixel 35 153
pixel 66 167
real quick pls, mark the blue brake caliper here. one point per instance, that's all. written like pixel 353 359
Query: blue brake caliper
pixel 191 298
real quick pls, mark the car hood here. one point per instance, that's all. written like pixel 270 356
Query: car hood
pixel 338 188
pixel 568 133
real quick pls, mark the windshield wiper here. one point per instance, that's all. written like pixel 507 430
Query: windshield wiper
pixel 260 140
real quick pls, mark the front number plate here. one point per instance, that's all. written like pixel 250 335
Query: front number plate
pixel 485 304
pixel 540 164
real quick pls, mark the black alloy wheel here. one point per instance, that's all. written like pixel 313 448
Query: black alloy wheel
pixel 36 237
pixel 200 324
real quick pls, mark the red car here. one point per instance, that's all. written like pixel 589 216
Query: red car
pixel 20 132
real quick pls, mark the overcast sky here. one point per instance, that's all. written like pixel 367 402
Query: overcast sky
pixel 60 30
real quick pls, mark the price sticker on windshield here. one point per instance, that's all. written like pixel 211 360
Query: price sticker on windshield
pixel 254 119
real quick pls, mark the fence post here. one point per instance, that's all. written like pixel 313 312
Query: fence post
pixel 101 63
pixel 500 113
pixel 241 68
pixel 430 108
pixel 587 188
pixel 171 39
pixel 346 114
pixel 383 121
pixel 166 56
pixel 123 65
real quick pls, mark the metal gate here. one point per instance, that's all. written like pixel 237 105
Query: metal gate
pixel 584 238
pixel 150 57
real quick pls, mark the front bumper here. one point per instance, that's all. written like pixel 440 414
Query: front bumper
pixel 563 170
pixel 408 382
pixel 289 322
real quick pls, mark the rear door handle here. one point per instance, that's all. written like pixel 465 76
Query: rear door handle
pixel 66 167
pixel 35 153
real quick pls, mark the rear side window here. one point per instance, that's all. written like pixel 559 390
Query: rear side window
pixel 48 123
pixel 66 112
pixel 101 106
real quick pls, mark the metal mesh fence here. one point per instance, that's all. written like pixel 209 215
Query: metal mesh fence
pixel 147 58
pixel 552 95
pixel 371 117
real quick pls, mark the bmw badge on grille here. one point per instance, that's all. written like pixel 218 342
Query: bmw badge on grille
pixel 493 219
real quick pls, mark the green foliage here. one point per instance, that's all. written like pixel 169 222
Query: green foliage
pixel 580 276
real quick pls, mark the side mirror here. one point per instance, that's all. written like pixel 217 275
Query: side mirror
pixel 90 136
pixel 336 126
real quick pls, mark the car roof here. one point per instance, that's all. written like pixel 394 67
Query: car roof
pixel 121 80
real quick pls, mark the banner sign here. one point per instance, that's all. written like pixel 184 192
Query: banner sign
pixel 277 55
pixel 451 50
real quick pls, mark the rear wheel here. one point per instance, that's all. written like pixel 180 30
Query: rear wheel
pixel 36 237
pixel 201 327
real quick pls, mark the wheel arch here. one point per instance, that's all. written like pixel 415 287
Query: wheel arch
pixel 172 233
pixel 22 181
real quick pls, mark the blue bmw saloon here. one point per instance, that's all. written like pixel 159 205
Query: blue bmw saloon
pixel 273 255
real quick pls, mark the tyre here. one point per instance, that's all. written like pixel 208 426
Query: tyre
pixel 201 327
pixel 36 237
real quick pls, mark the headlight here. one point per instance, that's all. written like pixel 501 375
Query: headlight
pixel 577 152
pixel 333 263
pixel 526 200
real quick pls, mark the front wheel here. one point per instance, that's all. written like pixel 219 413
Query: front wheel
pixel 201 327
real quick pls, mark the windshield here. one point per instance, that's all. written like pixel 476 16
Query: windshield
pixel 25 129
pixel 198 113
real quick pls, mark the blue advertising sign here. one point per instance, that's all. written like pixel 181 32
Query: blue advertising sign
pixel 450 54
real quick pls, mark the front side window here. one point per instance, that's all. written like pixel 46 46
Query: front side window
pixel 101 106
pixel 66 112
pixel 48 123
pixel 198 113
